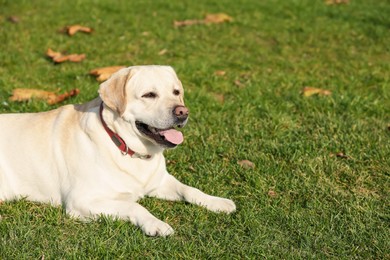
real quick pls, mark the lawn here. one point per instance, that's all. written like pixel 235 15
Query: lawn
pixel 319 185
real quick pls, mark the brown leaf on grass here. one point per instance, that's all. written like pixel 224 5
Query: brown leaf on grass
pixel 162 52
pixel 246 164
pixel 238 83
pixel 220 73
pixel 104 73
pixel 309 91
pixel 217 18
pixel 66 95
pixel 70 57
pixel 50 53
pixel 191 168
pixel 336 2
pixel 13 19
pixel 209 19
pixel 73 29
pixel 58 57
pixel 342 155
pixel 22 94
pixel 272 193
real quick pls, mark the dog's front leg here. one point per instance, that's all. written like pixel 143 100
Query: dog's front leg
pixel 172 189
pixel 130 211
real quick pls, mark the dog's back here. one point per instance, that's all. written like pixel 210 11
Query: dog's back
pixel 27 143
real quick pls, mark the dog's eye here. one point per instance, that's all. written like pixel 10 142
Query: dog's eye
pixel 176 92
pixel 150 95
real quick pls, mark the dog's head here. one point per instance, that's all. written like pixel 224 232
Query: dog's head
pixel 150 98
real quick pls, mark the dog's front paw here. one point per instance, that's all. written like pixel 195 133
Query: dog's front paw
pixel 157 227
pixel 217 204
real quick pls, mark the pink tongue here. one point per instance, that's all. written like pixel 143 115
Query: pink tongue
pixel 173 136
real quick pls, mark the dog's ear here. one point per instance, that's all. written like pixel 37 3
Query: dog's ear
pixel 113 90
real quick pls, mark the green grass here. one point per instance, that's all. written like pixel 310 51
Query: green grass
pixel 320 205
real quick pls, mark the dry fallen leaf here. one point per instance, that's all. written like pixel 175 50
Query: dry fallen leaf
pixel 238 83
pixel 246 164
pixel 220 73
pixel 22 94
pixel 71 57
pixel 14 19
pixel 191 168
pixel 66 95
pixel 209 19
pixel 162 52
pixel 73 29
pixel 342 155
pixel 272 193
pixel 58 57
pixel 309 91
pixel 52 53
pixel 104 73
pixel 217 18
pixel 336 2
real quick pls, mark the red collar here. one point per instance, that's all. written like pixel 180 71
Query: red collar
pixel 118 141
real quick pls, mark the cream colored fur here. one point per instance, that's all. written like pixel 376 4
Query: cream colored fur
pixel 65 157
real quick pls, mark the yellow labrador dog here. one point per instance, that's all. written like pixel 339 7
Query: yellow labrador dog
pixel 103 156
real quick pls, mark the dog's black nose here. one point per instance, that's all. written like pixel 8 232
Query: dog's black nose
pixel 181 112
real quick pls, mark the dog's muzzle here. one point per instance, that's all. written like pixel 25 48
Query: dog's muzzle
pixel 168 137
pixel 181 113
